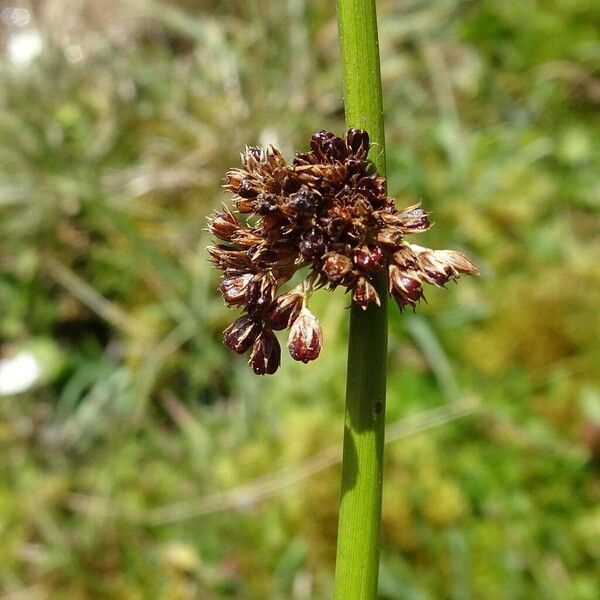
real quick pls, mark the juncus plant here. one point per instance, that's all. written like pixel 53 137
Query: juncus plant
pixel 328 212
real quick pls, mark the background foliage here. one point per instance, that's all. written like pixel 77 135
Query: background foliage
pixel 146 461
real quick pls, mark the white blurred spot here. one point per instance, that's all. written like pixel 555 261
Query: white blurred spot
pixel 24 46
pixel 18 374
pixel 16 16
pixel 269 137
pixel 74 53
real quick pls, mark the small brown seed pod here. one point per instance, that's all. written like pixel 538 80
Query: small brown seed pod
pixel 266 354
pixel 306 337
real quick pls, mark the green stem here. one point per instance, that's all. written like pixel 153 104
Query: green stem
pixel 357 563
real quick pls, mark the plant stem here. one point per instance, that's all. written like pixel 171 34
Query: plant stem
pixel 357 563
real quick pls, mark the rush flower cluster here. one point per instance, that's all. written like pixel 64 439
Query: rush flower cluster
pixel 327 211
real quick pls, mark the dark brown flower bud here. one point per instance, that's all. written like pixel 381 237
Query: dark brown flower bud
pixel 312 243
pixel 241 334
pixel 364 293
pixel 247 188
pixel 328 146
pixel 416 219
pixel 405 287
pixel 252 156
pixel 285 309
pixel 306 337
pixel 372 188
pixel 260 291
pixel 335 266
pixel 357 141
pixel 438 278
pixel 234 289
pixel 301 204
pixel 265 204
pixel 319 140
pixel 369 258
pixel 266 354
pixel 337 149
pixel 224 225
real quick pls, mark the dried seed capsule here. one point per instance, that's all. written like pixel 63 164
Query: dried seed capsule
pixel 439 266
pixel 247 188
pixel 364 293
pixel 405 287
pixel 224 225
pixel 246 238
pixel 302 203
pixel 416 219
pixel 456 261
pixel 372 188
pixel 245 205
pixel 234 178
pixel 410 220
pixel 312 243
pixel 336 149
pixel 328 147
pixel 290 184
pixel 266 354
pixel 234 289
pixel 389 236
pixel 231 262
pixel 438 278
pixel 320 140
pixel 252 156
pixel 369 258
pixel 405 257
pixel 306 337
pixel 335 266
pixel 409 294
pixel 357 141
pixel 285 309
pixel 265 204
pixel 241 334
pixel 260 291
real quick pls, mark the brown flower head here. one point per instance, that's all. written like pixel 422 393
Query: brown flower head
pixel 241 334
pixel 306 337
pixel 327 211
pixel 266 354
pixel 284 310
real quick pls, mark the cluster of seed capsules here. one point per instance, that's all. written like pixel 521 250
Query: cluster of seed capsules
pixel 327 211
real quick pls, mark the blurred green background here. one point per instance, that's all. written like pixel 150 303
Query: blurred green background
pixel 141 460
